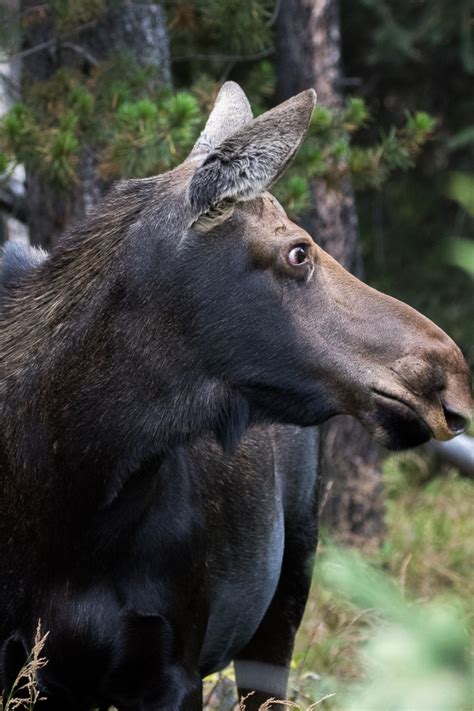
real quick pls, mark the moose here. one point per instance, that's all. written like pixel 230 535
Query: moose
pixel 163 371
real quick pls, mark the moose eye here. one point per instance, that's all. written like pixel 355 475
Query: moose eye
pixel 298 255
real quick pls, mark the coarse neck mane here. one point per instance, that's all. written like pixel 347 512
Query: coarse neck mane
pixel 89 408
pixel 47 294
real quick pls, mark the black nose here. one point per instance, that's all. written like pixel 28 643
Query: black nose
pixel 456 421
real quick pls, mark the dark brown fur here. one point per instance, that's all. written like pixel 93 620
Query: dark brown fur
pixel 152 516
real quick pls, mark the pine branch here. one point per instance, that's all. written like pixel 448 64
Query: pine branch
pixel 81 51
pixel 49 43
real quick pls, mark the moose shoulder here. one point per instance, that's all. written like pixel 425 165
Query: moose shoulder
pixel 161 372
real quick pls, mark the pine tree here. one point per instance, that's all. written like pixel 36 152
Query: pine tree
pixel 406 57
pixel 309 42
pixel 82 63
pixel 97 103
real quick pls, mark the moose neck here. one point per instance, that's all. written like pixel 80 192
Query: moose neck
pixel 107 382
pixel 87 448
pixel 104 380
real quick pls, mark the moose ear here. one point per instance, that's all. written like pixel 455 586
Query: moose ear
pixel 231 111
pixel 251 159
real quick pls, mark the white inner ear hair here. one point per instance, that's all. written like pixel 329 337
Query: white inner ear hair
pixel 215 216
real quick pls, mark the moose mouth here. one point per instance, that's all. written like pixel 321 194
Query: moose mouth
pixel 402 425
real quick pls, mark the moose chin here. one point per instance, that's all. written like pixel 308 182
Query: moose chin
pixel 162 372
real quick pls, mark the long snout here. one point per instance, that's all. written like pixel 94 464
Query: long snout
pixel 432 376
pixel 410 374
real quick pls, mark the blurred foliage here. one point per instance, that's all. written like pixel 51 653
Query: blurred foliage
pixel 429 515
pixel 461 189
pixel 329 152
pixel 400 620
pixel 224 27
pixel 135 129
pixel 9 30
pixel 461 254
pixel 460 250
pixel 68 14
pixel 418 56
pixel 417 656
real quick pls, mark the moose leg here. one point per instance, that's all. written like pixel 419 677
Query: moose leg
pixel 192 701
pixel 146 668
pixel 263 665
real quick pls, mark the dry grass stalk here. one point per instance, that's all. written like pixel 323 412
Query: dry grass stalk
pixel 24 693
pixel 269 704
pixel 323 698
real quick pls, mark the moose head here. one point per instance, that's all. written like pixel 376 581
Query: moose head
pixel 191 302
pixel 277 318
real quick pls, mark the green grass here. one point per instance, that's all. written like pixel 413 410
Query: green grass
pixel 430 546
pixel 428 554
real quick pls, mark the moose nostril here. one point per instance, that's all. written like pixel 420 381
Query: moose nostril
pixel 456 422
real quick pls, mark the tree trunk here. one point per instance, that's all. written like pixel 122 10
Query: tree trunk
pixel 138 28
pixel 12 190
pixel 308 55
